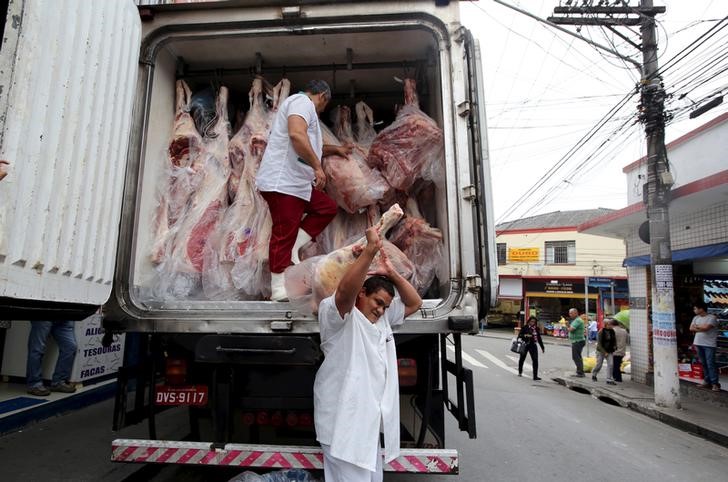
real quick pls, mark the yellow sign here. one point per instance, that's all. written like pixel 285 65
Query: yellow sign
pixel 522 255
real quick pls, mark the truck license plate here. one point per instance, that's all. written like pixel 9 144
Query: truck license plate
pixel 195 395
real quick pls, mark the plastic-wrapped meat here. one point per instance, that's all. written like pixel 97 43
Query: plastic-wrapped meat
pixel 421 243
pixel 179 274
pixel 364 129
pixel 253 132
pixel 344 229
pixel 316 278
pixel 411 148
pixel 350 181
pixel 239 253
pixel 182 177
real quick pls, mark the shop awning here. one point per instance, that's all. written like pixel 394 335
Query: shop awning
pixel 689 254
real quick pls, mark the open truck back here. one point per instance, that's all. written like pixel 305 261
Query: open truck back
pixel 244 368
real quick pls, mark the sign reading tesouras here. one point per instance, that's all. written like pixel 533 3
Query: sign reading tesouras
pixel 92 358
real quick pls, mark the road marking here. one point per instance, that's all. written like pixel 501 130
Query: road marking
pixel 497 361
pixel 526 365
pixel 468 358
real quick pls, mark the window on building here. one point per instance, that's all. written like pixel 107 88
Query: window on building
pixel 560 252
pixel 502 254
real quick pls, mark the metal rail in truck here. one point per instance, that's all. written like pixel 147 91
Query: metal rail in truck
pixel 87 113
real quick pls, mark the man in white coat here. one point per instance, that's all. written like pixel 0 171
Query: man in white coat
pixel 356 392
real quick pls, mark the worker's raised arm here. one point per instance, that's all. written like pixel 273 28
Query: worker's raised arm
pixel 353 280
pixel 407 293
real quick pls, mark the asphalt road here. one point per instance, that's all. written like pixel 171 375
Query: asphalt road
pixel 534 431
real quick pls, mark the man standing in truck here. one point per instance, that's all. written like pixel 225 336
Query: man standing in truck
pixel 291 179
pixel 356 392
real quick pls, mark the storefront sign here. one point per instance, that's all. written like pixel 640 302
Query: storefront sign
pixel 601 282
pixel 92 358
pixel 523 255
pixel 562 287
pixel 663 311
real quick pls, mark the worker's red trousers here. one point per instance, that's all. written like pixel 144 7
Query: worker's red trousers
pixel 286 212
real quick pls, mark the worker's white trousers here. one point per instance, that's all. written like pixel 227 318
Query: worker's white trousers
pixel 336 470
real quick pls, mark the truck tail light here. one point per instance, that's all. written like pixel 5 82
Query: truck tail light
pixel 262 418
pixel 305 420
pixel 175 371
pixel 407 368
pixel 276 419
pixel 292 419
pixel 248 418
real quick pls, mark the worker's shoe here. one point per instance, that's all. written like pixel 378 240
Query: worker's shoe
pixel 301 239
pixel 278 287
pixel 63 387
pixel 40 391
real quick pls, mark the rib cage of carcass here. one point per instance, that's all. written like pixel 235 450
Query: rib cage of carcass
pixel 237 256
pixel 411 148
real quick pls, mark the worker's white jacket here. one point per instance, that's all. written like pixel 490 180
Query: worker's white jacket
pixel 357 387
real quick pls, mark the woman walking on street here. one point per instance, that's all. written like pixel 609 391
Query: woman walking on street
pixel 530 335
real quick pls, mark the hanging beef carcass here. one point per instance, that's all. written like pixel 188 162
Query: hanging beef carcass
pixel 411 148
pixel 180 271
pixel 240 250
pixel 253 133
pixel 350 181
pixel 421 243
pixel 316 278
pixel 180 171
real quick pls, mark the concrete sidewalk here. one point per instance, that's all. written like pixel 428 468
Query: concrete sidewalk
pixel 703 413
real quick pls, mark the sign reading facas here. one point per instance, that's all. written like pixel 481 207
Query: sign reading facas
pixel 92 358
pixel 524 255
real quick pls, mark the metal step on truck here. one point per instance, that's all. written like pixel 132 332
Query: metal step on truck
pixel 88 109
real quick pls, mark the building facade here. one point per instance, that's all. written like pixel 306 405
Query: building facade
pixel 699 239
pixel 545 267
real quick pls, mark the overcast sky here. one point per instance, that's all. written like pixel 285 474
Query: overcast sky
pixel 545 90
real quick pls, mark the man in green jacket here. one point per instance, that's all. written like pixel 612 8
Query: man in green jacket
pixel 576 337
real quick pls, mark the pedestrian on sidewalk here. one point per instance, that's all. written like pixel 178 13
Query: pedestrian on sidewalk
pixel 62 332
pixel 606 345
pixel 530 336
pixel 618 355
pixel 576 337
pixel 704 326
pixel 593 330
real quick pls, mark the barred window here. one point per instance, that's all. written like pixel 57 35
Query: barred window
pixel 560 252
pixel 502 254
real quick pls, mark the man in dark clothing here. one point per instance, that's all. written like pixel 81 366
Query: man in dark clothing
pixel 606 344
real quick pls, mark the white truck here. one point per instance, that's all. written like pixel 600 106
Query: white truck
pixel 87 98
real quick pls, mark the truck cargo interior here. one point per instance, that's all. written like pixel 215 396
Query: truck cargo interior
pixel 363 63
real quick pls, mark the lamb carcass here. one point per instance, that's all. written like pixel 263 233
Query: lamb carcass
pixel 182 179
pixel 316 278
pixel 180 272
pixel 411 148
pixel 421 243
pixel 350 181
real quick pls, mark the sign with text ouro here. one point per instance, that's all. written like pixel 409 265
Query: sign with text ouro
pixel 524 255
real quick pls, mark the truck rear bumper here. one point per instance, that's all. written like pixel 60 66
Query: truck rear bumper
pixel 431 461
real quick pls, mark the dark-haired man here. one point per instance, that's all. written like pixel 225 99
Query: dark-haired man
pixel 356 393
pixel 705 327
pixel 289 172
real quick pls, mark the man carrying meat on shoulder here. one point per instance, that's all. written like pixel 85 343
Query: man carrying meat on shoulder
pixel 356 392
pixel 289 172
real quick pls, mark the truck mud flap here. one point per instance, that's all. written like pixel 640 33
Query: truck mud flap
pixel 464 407
pixel 428 461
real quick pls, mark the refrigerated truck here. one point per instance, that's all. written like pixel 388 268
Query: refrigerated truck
pixel 87 101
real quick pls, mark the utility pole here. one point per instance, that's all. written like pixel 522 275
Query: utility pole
pixel 659 180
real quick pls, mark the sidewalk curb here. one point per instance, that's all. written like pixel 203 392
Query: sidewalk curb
pixel 649 409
